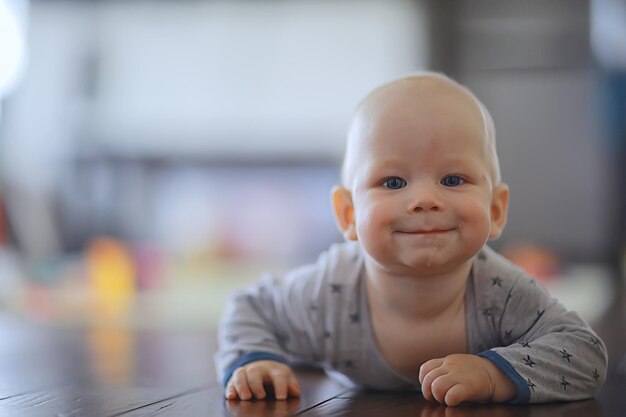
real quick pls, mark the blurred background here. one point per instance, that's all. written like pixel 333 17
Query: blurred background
pixel 156 155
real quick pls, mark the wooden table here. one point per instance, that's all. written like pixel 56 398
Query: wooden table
pixel 55 371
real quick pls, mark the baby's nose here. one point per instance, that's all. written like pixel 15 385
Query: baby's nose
pixel 426 199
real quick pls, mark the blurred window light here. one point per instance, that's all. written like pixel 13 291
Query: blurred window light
pixel 608 32
pixel 268 77
pixel 12 45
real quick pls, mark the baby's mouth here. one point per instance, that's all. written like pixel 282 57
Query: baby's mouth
pixel 426 232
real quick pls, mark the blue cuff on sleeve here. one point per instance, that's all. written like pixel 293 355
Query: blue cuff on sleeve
pixel 250 357
pixel 523 392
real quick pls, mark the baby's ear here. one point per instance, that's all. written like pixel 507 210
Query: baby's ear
pixel 344 211
pixel 499 209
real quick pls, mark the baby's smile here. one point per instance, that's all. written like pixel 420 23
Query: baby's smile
pixel 425 236
pixel 426 232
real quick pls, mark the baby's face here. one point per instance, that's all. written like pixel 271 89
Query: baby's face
pixel 421 184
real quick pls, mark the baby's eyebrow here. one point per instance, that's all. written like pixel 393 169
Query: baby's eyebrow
pixel 394 166
pixel 462 162
pixel 389 164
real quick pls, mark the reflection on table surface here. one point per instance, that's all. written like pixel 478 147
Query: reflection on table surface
pixel 412 405
pixel 100 371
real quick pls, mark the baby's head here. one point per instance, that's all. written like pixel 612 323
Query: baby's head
pixel 419 88
pixel 421 182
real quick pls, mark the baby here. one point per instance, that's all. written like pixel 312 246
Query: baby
pixel 414 299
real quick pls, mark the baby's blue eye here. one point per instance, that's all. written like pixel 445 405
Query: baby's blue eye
pixel 452 181
pixel 394 183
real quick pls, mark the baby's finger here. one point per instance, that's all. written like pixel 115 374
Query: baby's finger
pixel 279 379
pixel 230 392
pixel 255 382
pixel 240 383
pixel 293 386
pixel 441 385
pixel 428 380
pixel 456 395
pixel 429 366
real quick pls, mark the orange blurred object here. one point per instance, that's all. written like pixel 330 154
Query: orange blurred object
pixel 539 262
pixel 112 275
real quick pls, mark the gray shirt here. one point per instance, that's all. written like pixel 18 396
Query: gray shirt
pixel 319 314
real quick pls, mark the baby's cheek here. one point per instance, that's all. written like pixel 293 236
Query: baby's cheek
pixel 477 213
pixel 371 227
pixel 364 226
pixel 478 220
pixel 362 213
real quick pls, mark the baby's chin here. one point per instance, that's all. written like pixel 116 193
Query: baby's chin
pixel 429 263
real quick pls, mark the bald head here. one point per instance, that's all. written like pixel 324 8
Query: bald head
pixel 408 97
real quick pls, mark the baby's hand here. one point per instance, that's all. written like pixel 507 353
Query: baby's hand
pixel 458 378
pixel 249 381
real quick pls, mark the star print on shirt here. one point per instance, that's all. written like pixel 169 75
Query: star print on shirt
pixel 488 312
pixel 327 334
pixel 496 281
pixel 565 355
pixel 595 375
pixel 595 341
pixel 336 288
pixel 354 318
pixel 348 363
pixel 564 383
pixel 531 385
pixel 313 307
pixel 526 345
pixel 284 337
pixel 507 334
pixel 482 256
pixel 528 361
